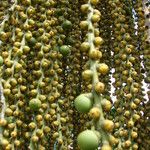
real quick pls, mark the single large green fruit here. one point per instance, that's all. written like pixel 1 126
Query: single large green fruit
pixel 88 140
pixel 1 60
pixel 35 104
pixel 66 25
pixel 83 104
pixel 64 50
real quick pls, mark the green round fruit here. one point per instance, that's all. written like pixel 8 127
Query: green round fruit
pixel 70 40
pixel 64 50
pixel 56 48
pixel 1 60
pixel 10 119
pixel 35 104
pixel 32 41
pixel 88 140
pixel 66 25
pixel 83 104
pixel 58 12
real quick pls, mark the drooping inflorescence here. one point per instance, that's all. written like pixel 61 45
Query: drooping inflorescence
pixel 74 74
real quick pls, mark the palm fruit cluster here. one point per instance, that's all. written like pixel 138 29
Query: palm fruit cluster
pixel 74 74
pixel 128 86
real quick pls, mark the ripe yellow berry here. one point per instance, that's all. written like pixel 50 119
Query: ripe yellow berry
pixel 4 142
pixel 94 113
pixel 98 41
pixel 106 147
pixel 133 105
pixel 127 144
pixel 108 125
pixel 130 124
pixel 134 134
pixel 32 125
pixel 99 87
pixel 94 2
pixel 17 143
pixel 87 75
pixel 3 122
pixel 135 146
pixel 84 8
pixel 85 46
pixel 106 104
pixel 102 68
pixel 95 18
pixel 136 117
pixel 35 138
pixel 84 25
pixel 14 134
pixel 95 54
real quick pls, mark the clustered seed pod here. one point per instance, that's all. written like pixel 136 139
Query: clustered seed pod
pixel 73 74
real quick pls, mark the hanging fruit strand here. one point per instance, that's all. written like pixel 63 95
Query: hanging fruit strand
pixel 92 102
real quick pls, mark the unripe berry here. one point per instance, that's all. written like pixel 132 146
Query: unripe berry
pixel 83 104
pixel 88 140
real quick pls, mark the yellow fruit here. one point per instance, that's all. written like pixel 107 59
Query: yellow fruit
pixel 35 138
pixel 85 46
pixel 84 25
pixel 4 142
pixel 106 147
pixel 98 41
pixel 102 68
pixel 87 75
pixel 108 125
pixel 127 144
pixel 135 147
pixel 106 104
pixel 84 8
pixel 99 87
pixel 134 134
pixel 94 113
pixel 95 18
pixel 95 54
pixel 130 124
pixel 94 2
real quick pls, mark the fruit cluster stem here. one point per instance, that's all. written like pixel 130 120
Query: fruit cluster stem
pixel 93 65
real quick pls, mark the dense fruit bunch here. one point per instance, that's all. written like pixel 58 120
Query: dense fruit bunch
pixel 74 74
